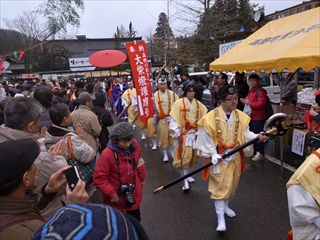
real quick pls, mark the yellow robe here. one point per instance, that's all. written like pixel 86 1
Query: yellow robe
pixel 181 112
pixel 133 114
pixel 163 109
pixel 224 184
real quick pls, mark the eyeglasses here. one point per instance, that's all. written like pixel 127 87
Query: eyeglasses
pixel 232 99
pixel 232 90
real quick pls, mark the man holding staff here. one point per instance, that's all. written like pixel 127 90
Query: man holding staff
pixel 223 129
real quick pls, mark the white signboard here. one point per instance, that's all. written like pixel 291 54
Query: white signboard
pixel 79 62
pixel 225 47
pixel 79 69
pixel 298 139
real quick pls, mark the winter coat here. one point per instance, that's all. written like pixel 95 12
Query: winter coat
pixel 45 120
pixel 106 174
pixel 48 164
pixel 257 105
pixel 289 91
pixel 9 206
pixel 243 90
pixel 60 100
pixel 104 117
pixel 198 88
pixel 90 124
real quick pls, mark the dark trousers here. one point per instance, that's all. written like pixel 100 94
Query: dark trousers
pixel 135 214
pixel 256 126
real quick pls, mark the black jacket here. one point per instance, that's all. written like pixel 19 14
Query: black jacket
pixel 198 88
pixel 104 117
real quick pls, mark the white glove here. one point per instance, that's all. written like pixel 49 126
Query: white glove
pixel 215 158
pixel 317 222
pixel 228 159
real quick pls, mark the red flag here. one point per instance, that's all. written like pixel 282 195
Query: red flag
pixel 20 55
pixel 1 65
pixel 41 47
pixel 138 57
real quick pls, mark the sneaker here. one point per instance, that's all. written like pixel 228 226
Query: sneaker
pixel 258 157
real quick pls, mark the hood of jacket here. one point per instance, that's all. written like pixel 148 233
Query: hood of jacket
pixel 7 133
pixel 113 146
pixel 55 133
pixel 100 99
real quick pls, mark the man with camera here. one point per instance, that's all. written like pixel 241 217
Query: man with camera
pixel 120 172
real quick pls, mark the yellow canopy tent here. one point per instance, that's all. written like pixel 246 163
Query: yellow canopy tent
pixel 292 42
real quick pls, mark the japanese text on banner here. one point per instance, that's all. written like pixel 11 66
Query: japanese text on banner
pixel 138 57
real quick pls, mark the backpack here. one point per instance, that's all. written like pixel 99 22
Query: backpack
pixel 269 109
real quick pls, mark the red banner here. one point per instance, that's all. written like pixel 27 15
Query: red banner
pixel 138 57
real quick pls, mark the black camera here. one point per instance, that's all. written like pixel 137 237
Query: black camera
pixel 127 189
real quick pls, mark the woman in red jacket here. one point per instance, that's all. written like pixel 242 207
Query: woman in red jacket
pixel 120 171
pixel 258 103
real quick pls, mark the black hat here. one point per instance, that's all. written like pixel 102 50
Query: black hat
pixel 90 221
pixel 17 156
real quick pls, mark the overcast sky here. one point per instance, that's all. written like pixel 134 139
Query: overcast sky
pixel 102 17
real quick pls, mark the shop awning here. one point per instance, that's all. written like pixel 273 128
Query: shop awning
pixel 291 42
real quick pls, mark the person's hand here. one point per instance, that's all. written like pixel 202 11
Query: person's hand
pixel 313 113
pixel 215 158
pixel 142 184
pixel 244 100
pixel 115 199
pixel 316 109
pixel 262 137
pixel 43 132
pixel 56 181
pixel 79 131
pixel 216 88
pixel 78 195
pixel 58 149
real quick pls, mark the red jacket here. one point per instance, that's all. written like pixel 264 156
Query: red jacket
pixel 258 105
pixel 106 176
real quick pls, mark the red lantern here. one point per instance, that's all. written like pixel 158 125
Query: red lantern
pixel 20 55
pixel 1 65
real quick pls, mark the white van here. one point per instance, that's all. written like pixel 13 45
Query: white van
pixel 273 90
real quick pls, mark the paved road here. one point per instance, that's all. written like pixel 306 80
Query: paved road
pixel 260 202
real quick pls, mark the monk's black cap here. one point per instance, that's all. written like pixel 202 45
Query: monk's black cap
pixel 17 156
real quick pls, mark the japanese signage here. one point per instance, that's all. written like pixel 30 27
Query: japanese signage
pixel 30 75
pixel 225 47
pixel 298 138
pixel 290 34
pixel 79 62
pixel 138 57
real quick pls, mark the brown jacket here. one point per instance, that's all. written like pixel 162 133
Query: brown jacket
pixel 33 202
pixel 90 124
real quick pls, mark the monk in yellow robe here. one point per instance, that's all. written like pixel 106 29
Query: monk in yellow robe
pixel 129 101
pixel 185 114
pixel 220 130
pixel 164 100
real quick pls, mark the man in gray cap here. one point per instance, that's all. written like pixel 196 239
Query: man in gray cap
pixel 120 172
pixel 88 120
pixel 17 202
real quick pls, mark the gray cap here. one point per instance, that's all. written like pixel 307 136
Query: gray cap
pixel 86 97
pixel 121 131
